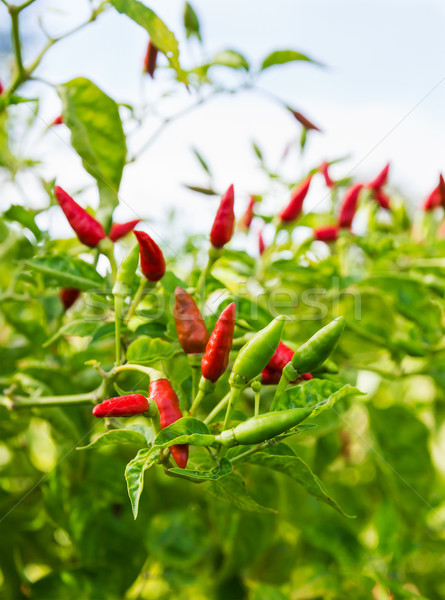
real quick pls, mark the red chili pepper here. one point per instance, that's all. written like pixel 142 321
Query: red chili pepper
pixel 122 406
pixel 329 233
pixel 190 326
pixel 304 120
pixel 58 120
pixel 152 259
pixel 89 231
pixel 437 196
pixel 272 373
pixel 324 170
pixel 1 88
pixel 216 357
pixel 247 217
pixel 68 296
pixel 119 230
pixel 222 229
pixel 150 59
pixel 349 205
pixel 380 180
pixel 165 397
pixel 261 244
pixel 382 199
pixel 295 206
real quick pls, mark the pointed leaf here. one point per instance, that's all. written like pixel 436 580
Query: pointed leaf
pixel 134 474
pixel 280 57
pixel 223 469
pixel 118 436
pixel 232 489
pixel 65 271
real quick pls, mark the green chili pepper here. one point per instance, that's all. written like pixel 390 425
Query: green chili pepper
pixel 254 356
pixel 264 427
pixel 126 272
pixel 316 350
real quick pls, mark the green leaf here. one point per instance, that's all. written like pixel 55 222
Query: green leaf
pixel 159 33
pixel 201 161
pixel 134 474
pixel 232 59
pixel 281 57
pixel 97 136
pixel 201 190
pixel 223 469
pixel 65 271
pixel 118 436
pixel 283 459
pixel 80 328
pixel 314 392
pixel 25 217
pixel 191 22
pixel 232 489
pixel 148 351
pixel 184 431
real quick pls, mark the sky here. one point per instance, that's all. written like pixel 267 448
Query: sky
pixel 380 97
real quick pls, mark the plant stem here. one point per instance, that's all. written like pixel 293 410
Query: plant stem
pixel 137 297
pixel 118 308
pixel 256 448
pixel 134 367
pixel 23 402
pixel 234 395
pixel 257 402
pixel 281 388
pixel 218 408
pixel 16 42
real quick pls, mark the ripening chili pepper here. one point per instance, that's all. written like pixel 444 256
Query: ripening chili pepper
pixel 261 244
pixel 382 199
pixel 303 120
pixel 152 259
pixel 165 397
pixel 328 233
pixel 325 172
pixel 381 180
pixel 68 296
pixel 222 229
pixel 349 205
pixel 89 231
pixel 263 427
pixel 119 230
pixel 58 120
pixel 316 350
pixel 122 406
pixel 190 326
pixel 216 357
pixel 247 217
pixel 293 210
pixel 437 196
pixel 150 59
pixel 256 353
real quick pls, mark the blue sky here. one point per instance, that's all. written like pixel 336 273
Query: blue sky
pixel 381 98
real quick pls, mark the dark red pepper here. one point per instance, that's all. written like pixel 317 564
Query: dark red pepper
pixel 247 217
pixel 152 259
pixel 216 357
pixel 269 377
pixel 295 206
pixel 349 205
pixel 89 231
pixel 304 120
pixel 381 179
pixel 1 88
pixel 437 196
pixel 68 296
pixel 122 406
pixel 328 233
pixel 165 397
pixel 325 172
pixel 150 59
pixel 222 229
pixel 382 199
pixel 272 373
pixel 190 326
pixel 119 230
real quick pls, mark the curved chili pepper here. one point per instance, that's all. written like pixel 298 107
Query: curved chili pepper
pixel 272 373
pixel 303 120
pixel 380 180
pixel 437 196
pixel 152 259
pixel 150 59
pixel 58 120
pixel 349 205
pixel 165 397
pixel 256 353
pixel 247 217
pixel 263 427
pixel 68 296
pixel 89 231
pixel 261 244
pixel 190 326
pixel 122 406
pixel 324 171
pixel 382 199
pixel 328 233
pixel 222 229
pixel 293 210
pixel 126 272
pixel 216 357
pixel 119 230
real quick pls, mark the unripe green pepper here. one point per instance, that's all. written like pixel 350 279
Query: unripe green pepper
pixel 126 272
pixel 264 427
pixel 254 356
pixel 316 350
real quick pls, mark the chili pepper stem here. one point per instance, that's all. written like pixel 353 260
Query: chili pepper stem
pixel 218 408
pixel 152 373
pixel 281 388
pixel 23 402
pixel 206 387
pixel 214 254
pixel 136 299
pixel 118 309
pixel 234 395
pixel 194 361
